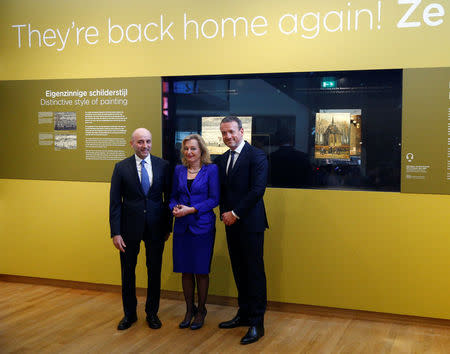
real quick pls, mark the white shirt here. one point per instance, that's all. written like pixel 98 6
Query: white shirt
pixel 148 167
pixel 236 155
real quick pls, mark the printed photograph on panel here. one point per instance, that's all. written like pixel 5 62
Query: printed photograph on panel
pixel 65 142
pixel 65 121
pixel 213 138
pixel 332 136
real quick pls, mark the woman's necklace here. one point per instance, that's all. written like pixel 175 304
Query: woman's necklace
pixel 193 172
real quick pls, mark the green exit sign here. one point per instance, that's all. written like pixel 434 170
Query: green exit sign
pixel 329 82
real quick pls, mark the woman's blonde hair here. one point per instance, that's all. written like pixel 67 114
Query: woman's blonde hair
pixel 204 158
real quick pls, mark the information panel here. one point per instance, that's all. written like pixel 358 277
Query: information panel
pixel 426 131
pixel 74 129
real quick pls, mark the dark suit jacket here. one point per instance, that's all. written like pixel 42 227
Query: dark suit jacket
pixel 130 210
pixel 243 189
pixel 203 196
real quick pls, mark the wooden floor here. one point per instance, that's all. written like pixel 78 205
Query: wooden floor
pixel 46 319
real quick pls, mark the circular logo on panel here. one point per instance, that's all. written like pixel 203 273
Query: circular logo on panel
pixel 409 156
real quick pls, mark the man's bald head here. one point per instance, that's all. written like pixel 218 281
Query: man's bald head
pixel 141 142
pixel 139 132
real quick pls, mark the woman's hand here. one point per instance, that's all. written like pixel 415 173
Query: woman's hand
pixel 181 210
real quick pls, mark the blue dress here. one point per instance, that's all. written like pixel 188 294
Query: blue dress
pixel 193 234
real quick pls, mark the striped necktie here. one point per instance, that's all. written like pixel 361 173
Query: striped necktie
pixel 145 181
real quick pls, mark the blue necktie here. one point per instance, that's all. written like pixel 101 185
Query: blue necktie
pixel 145 181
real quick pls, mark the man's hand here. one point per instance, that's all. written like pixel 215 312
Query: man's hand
pixel 166 237
pixel 119 243
pixel 228 218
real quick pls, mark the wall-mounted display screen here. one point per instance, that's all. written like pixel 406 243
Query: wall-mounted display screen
pixel 363 130
pixel 341 136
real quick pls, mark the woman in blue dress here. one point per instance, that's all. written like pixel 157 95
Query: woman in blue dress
pixel 195 193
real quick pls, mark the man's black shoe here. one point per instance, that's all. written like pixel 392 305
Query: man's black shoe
pixel 236 321
pixel 153 321
pixel 253 334
pixel 126 323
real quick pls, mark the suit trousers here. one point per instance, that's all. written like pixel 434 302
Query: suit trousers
pixel 153 252
pixel 246 251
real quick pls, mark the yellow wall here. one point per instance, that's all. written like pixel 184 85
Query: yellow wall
pixel 375 251
pixel 378 48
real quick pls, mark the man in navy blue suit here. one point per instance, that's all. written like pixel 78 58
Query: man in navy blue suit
pixel 243 176
pixel 139 211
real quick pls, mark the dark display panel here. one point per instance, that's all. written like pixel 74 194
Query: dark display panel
pixel 327 130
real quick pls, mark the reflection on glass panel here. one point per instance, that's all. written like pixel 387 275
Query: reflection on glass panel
pixel 213 137
pixel 339 130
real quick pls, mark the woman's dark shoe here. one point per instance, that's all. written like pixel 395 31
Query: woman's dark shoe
pixel 199 320
pixel 188 318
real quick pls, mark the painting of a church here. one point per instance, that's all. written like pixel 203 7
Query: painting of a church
pixel 332 136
